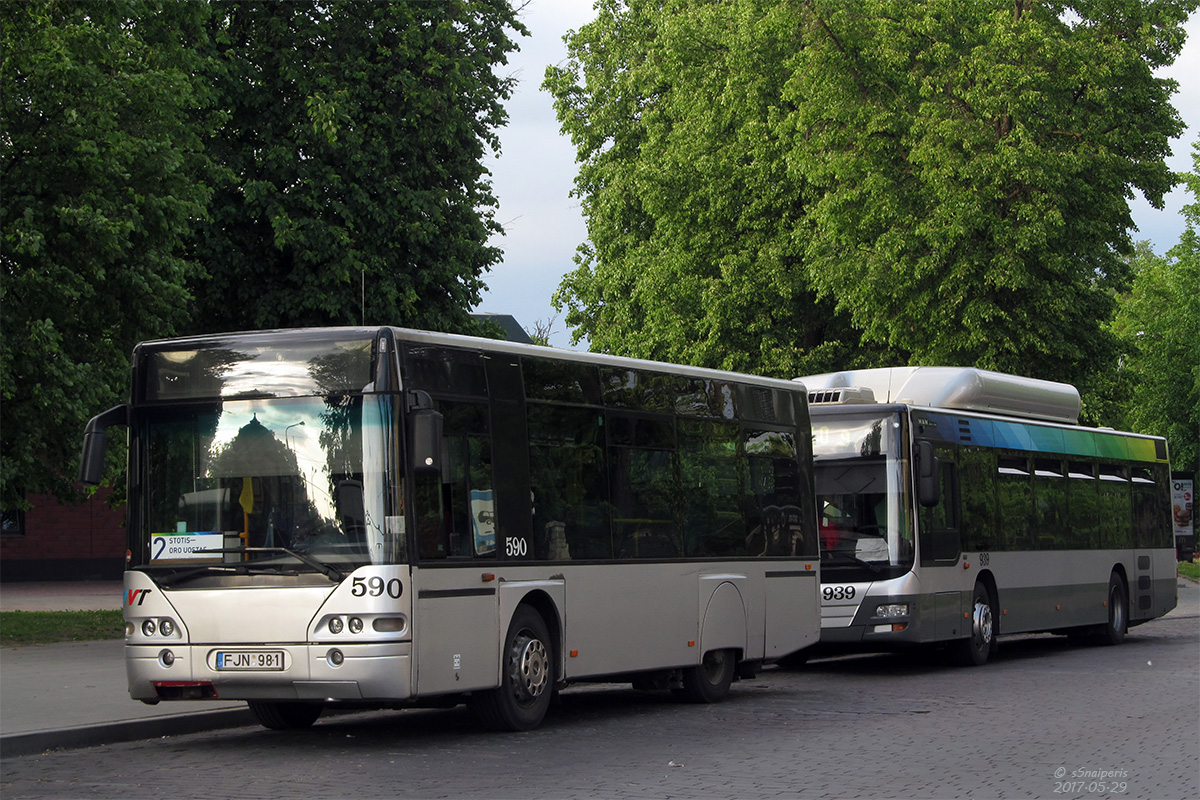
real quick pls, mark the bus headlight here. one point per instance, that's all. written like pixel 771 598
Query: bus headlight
pixel 356 625
pixel 148 627
pixel 335 625
pixel 892 610
pixel 335 657
pixel 166 627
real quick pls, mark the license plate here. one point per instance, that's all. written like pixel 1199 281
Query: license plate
pixel 249 660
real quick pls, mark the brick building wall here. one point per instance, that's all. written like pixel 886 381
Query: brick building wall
pixel 66 542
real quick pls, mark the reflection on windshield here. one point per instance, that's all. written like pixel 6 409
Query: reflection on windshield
pixel 280 473
pixel 865 524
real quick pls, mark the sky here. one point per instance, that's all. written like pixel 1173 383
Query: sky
pixel 535 171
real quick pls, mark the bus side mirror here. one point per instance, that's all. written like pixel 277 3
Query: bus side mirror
pixel 425 434
pixel 352 509
pixel 91 461
pixel 928 486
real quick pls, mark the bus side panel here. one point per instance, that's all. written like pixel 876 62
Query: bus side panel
pixel 1053 590
pixel 630 617
pixel 1154 589
pixel 457 633
pixel 792 615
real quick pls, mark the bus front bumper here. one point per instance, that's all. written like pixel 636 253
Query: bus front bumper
pixel 269 672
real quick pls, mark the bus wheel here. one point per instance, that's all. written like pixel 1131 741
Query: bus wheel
pixel 1113 631
pixel 526 681
pixel 285 716
pixel 708 681
pixel 975 650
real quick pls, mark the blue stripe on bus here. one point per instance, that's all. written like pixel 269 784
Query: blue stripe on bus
pixel 1036 438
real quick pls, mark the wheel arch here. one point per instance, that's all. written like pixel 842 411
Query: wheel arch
pixel 541 602
pixel 723 623
pixel 1119 570
pixel 988 580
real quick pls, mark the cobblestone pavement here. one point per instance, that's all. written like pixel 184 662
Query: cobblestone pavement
pixel 1045 720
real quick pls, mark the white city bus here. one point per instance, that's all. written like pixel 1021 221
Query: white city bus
pixel 378 517
pixel 958 504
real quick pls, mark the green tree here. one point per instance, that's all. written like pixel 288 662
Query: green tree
pixel 103 176
pixel 684 187
pixel 1158 322
pixel 971 164
pixel 954 176
pixel 352 146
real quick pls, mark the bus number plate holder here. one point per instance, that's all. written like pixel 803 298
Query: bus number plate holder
pixel 233 660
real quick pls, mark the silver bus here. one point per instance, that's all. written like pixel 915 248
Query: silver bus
pixel 959 504
pixel 374 517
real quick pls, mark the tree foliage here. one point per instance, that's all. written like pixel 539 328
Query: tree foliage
pixel 1158 323
pixel 954 176
pixel 174 167
pixel 682 178
pixel 972 165
pixel 102 168
pixel 353 148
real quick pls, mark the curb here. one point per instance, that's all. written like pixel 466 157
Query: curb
pixel 26 744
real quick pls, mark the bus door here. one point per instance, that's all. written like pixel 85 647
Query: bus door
pixel 457 629
pixel 939 538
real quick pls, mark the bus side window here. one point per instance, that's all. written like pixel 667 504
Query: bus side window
pixel 940 538
pixel 1015 493
pixel 977 476
pixel 1116 522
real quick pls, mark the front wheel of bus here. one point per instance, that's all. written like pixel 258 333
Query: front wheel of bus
pixel 977 647
pixel 285 716
pixel 526 680
pixel 708 681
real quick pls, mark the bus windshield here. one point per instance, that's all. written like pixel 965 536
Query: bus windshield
pixel 267 485
pixel 866 529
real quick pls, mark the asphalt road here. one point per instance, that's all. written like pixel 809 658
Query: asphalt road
pixel 1045 720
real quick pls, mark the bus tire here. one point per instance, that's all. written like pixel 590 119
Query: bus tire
pixel 285 716
pixel 1113 631
pixel 708 681
pixel 976 648
pixel 521 700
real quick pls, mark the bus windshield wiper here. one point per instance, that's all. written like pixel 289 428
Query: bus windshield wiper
pixel 176 577
pixel 328 571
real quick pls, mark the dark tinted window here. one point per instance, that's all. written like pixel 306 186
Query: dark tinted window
pixel 445 370
pixel 710 489
pixel 561 381
pixel 1014 493
pixel 569 484
pixel 977 485
pixel 640 390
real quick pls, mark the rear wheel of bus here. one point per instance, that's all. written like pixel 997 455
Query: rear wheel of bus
pixel 1113 631
pixel 526 680
pixel 708 681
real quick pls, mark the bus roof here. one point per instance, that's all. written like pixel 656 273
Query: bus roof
pixel 962 388
pixel 240 356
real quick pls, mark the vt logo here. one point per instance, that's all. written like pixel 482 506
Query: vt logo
pixel 136 596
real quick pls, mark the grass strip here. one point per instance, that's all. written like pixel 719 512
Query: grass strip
pixel 1189 569
pixel 44 627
